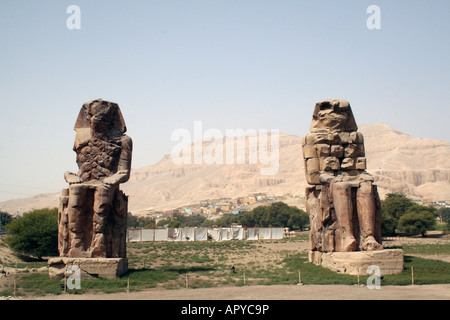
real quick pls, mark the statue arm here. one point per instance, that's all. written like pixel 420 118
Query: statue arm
pixel 124 167
pixel 325 178
pixel 71 178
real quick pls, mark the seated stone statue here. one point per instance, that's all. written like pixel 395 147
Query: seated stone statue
pixel 343 203
pixel 93 210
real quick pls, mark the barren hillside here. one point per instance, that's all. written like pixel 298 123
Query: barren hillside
pixel 418 167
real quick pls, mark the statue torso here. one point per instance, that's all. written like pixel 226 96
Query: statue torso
pixel 98 159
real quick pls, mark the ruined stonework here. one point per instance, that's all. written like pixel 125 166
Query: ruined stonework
pixel 342 201
pixel 92 213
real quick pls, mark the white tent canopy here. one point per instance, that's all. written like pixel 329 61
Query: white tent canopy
pixel 204 234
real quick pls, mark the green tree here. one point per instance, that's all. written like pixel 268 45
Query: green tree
pixel 298 220
pixel 140 222
pixel 174 223
pixel 417 219
pixel 227 220
pixel 278 214
pixel 163 223
pixel 35 233
pixel 393 207
pixel 5 218
pixel 186 221
pixel 388 225
pixel 444 214
pixel 254 218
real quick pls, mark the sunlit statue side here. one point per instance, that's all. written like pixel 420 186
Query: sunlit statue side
pixel 343 203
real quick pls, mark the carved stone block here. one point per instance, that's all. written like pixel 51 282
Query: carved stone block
pixel 348 164
pixel 389 261
pixel 360 163
pixel 109 268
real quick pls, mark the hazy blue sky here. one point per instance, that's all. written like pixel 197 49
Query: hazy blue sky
pixel 250 64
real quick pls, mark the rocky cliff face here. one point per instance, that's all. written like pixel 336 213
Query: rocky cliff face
pixel 418 167
pixel 400 163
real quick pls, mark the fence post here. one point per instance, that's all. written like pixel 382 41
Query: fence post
pixel 65 282
pixel 358 269
pixel 412 275
pixel 358 276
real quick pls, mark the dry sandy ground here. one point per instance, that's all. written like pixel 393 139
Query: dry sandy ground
pixel 277 292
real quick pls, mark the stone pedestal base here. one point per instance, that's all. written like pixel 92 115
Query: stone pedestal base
pixel 389 261
pixel 109 268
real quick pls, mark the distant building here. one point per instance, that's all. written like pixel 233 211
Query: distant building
pixel 214 210
pixel 438 204
pixel 248 200
pixel 225 207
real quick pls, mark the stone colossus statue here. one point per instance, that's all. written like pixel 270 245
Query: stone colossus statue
pixel 93 210
pixel 343 203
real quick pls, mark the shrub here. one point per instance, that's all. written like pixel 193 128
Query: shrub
pixel 393 207
pixel 417 219
pixel 35 233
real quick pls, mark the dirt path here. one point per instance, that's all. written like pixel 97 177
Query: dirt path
pixel 277 292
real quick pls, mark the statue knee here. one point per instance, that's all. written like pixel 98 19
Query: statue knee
pixel 365 188
pixel 77 193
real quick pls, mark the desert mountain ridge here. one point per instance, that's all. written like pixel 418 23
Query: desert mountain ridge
pixel 417 167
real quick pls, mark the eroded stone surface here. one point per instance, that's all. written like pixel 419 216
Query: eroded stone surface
pixel 342 202
pixel 109 268
pixel 93 210
pixel 389 261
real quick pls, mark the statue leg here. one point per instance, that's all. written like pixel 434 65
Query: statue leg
pixel 76 219
pixel 103 199
pixel 119 231
pixel 343 206
pixel 63 221
pixel 366 209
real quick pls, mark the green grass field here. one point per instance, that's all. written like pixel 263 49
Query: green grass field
pixel 173 265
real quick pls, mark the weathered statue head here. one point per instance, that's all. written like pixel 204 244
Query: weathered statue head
pixel 100 118
pixel 333 116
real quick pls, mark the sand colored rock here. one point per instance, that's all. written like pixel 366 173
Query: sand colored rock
pixel 357 262
pixel 109 268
